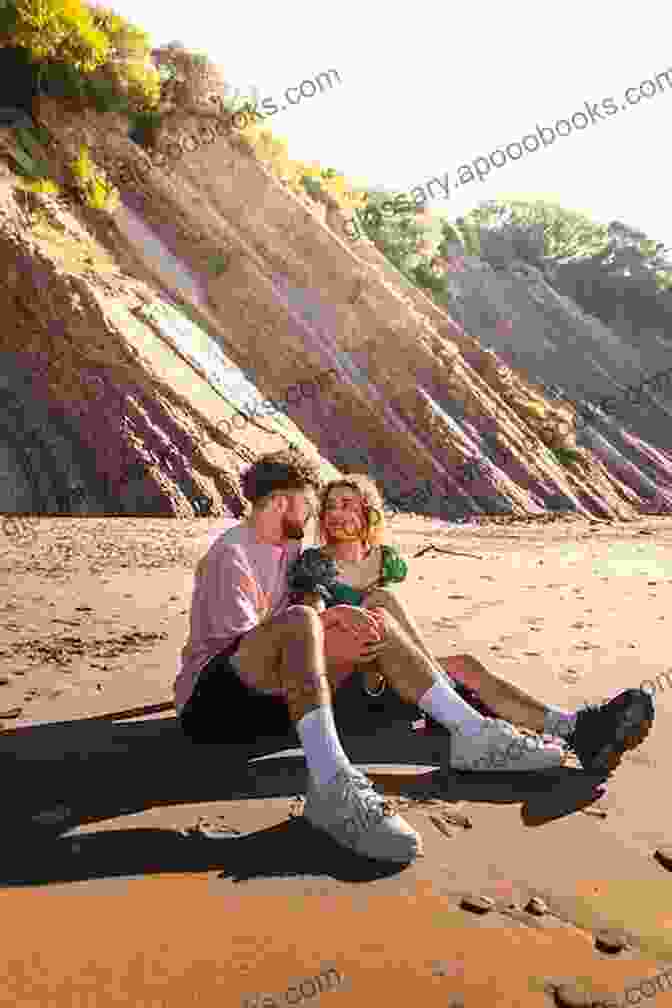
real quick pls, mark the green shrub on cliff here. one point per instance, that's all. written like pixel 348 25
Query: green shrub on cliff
pixel 312 187
pixel 41 185
pixel 126 38
pixel 566 456
pixel 97 191
pixel 27 157
pixel 61 30
pixel 450 235
pixel 79 52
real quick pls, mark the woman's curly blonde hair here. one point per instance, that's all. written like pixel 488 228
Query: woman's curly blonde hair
pixel 372 504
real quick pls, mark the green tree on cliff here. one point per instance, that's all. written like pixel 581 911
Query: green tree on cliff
pixel 615 272
pixel 541 231
pixel 396 234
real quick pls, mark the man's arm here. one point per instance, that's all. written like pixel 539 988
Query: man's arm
pixel 235 603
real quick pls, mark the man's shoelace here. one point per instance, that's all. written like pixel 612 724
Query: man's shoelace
pixel 370 808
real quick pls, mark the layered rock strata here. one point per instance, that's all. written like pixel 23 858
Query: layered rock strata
pixel 92 335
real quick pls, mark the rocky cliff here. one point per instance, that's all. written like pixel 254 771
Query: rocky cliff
pixel 131 339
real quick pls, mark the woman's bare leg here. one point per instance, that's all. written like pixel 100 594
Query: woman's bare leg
pixel 509 702
pixel 387 598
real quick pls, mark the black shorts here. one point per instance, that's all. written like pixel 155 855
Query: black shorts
pixel 223 709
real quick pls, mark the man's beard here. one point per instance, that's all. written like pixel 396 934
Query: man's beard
pixel 292 529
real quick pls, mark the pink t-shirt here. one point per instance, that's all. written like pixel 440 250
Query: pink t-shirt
pixel 238 583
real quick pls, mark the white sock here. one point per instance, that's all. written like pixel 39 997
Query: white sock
pixel 324 753
pixel 450 710
pixel 558 722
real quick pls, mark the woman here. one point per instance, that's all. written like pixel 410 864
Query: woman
pixel 353 566
pixel 352 530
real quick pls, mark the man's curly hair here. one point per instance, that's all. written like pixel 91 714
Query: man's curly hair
pixel 278 472
pixel 372 504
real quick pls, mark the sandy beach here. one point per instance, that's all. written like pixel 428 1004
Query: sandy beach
pixel 110 895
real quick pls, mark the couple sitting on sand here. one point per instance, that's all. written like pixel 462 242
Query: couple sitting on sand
pixel 275 632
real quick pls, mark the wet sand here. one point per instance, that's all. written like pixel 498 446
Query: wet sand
pixel 100 866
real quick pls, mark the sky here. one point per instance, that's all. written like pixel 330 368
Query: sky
pixel 425 90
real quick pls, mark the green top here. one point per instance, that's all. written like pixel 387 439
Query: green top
pixel 393 569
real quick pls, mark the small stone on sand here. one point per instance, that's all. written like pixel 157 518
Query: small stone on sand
pixel 572 997
pixel 457 819
pixel 664 855
pixel 536 906
pixel 478 904
pixel 611 941
pixel 210 831
pixel 441 826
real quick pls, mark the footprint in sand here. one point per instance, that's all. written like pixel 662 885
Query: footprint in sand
pixel 15 712
pixel 570 676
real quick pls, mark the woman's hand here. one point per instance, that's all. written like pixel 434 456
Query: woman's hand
pixel 345 646
pixel 352 634
pixel 372 648
pixel 354 619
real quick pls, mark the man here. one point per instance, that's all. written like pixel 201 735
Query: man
pixel 255 665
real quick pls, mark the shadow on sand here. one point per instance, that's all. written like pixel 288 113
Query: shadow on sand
pixel 99 771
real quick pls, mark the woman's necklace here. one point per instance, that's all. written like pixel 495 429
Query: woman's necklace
pixel 360 574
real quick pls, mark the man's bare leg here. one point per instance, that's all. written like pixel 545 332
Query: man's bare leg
pixel 288 653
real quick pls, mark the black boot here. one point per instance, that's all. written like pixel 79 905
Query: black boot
pixel 604 732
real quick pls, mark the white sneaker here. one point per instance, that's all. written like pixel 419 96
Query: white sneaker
pixel 357 817
pixel 500 746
